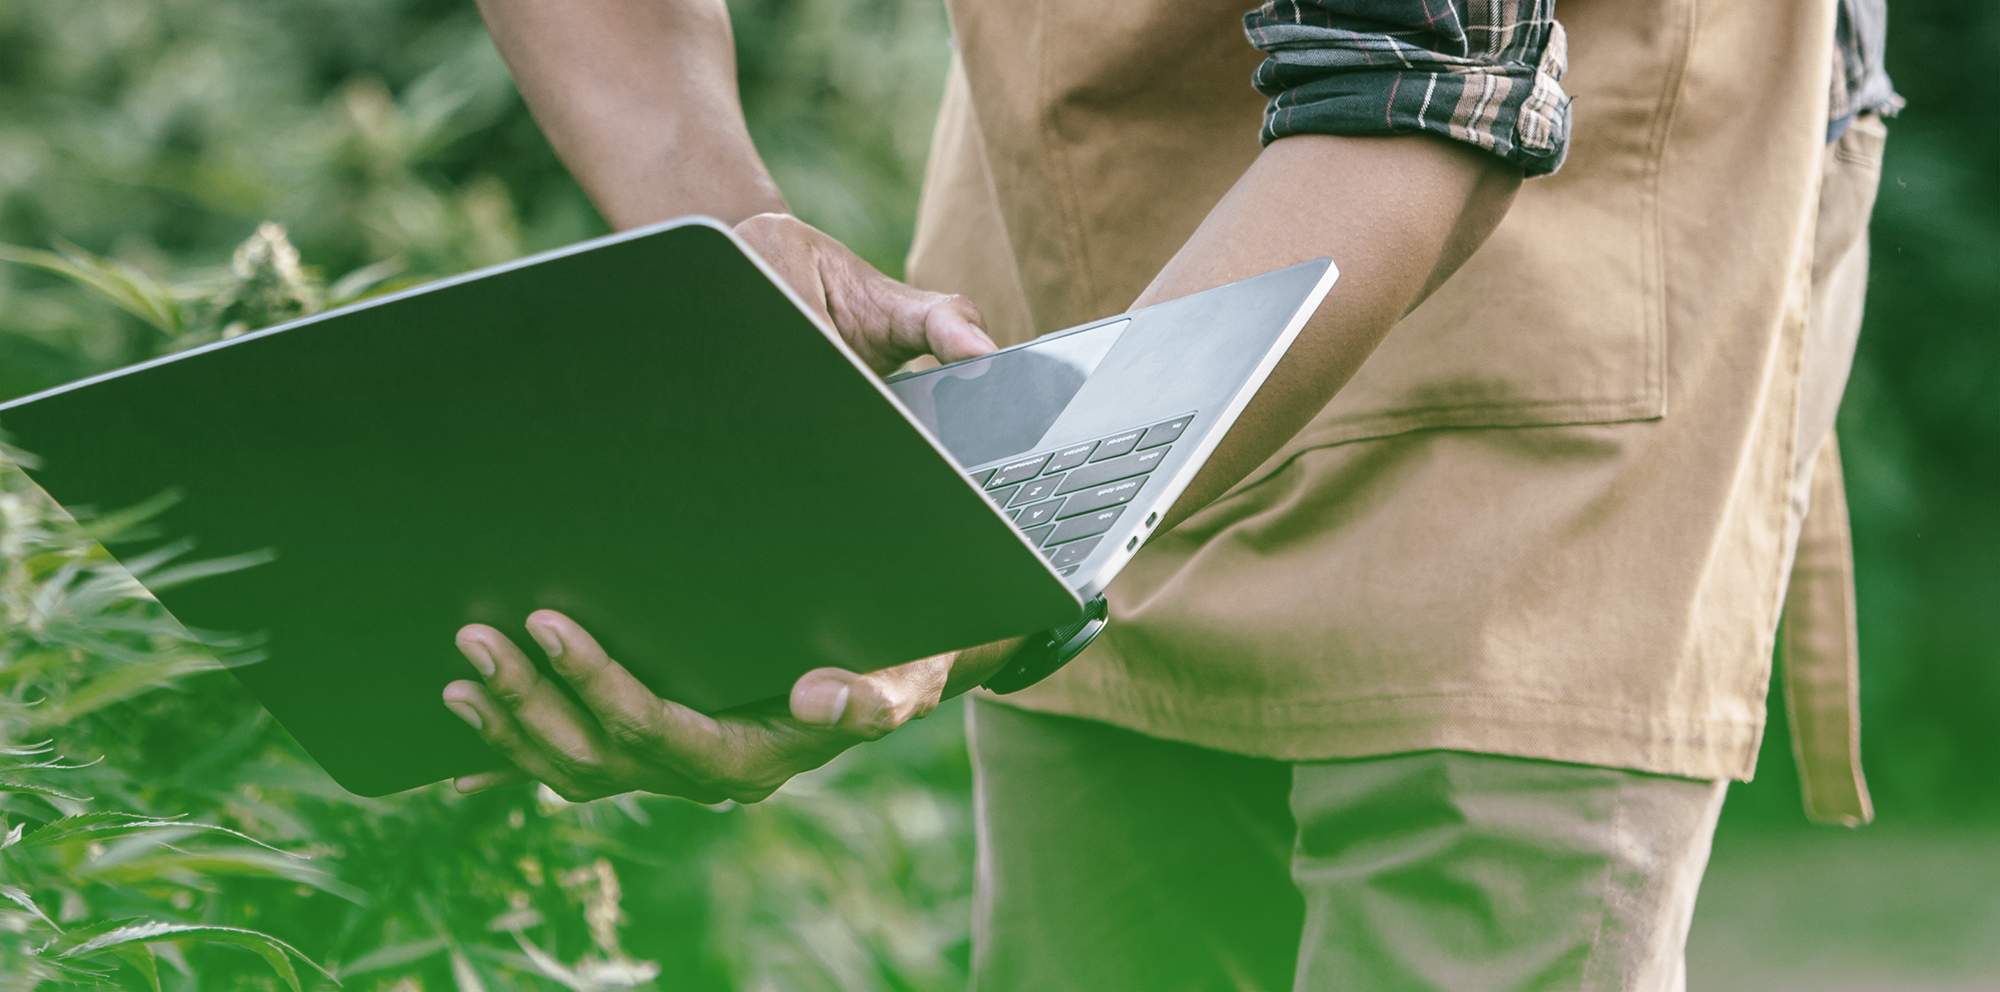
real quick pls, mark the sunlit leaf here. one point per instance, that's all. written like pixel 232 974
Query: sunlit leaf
pixel 83 933
pixel 22 899
pixel 110 935
pixel 119 684
pixel 39 790
pixel 590 975
pixel 552 968
pixel 131 290
pixel 137 868
pixel 515 919
pixel 77 972
pixel 56 765
pixel 57 829
pixel 107 826
pixel 355 285
pixel 392 956
pixel 142 564
pixel 167 578
pixel 463 974
pixel 121 524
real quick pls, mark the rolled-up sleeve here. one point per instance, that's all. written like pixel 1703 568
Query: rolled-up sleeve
pixel 1485 73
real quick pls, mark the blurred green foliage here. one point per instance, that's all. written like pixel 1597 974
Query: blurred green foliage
pixel 142 143
pixel 158 134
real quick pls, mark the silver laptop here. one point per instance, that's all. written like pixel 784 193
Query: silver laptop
pixel 649 433
pixel 1085 437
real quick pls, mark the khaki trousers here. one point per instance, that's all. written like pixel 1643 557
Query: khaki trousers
pixel 1109 860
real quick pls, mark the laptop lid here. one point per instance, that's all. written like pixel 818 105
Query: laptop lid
pixel 645 431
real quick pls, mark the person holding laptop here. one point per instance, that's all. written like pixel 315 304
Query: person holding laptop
pixel 1436 674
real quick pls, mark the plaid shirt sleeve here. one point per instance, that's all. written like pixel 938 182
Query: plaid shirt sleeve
pixel 1860 83
pixel 1485 72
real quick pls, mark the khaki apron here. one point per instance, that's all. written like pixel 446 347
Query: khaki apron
pixel 1555 514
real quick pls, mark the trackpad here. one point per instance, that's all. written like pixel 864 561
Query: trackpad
pixel 989 408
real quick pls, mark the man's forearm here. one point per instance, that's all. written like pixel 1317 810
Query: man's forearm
pixel 639 99
pixel 1398 215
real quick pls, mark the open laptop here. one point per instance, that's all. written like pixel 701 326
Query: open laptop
pixel 648 432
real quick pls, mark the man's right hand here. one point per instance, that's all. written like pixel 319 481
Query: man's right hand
pixel 639 99
pixel 886 322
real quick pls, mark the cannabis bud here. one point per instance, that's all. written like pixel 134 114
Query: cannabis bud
pixel 267 285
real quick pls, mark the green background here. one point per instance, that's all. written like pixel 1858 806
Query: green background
pixel 159 132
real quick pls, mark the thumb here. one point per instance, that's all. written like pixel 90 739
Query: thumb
pixel 821 697
pixel 889 322
pixel 870 706
pixel 954 330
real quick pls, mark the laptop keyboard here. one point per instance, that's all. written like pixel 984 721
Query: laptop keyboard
pixel 1065 499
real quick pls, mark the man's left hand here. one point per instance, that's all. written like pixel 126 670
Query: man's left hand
pixel 625 738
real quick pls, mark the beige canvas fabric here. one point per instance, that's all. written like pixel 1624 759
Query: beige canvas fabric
pixel 1554 514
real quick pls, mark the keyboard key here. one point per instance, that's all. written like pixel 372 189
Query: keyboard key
pixel 1012 472
pixel 1165 433
pixel 1099 473
pixel 1071 457
pixel 1074 553
pixel 1036 535
pixel 1041 488
pixel 1000 496
pixel 1071 570
pixel 1014 516
pixel 1101 497
pixel 1117 444
pixel 1040 513
pixel 1088 525
pixel 979 478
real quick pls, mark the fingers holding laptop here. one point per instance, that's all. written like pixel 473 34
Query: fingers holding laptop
pixel 629 739
pixel 886 322
pixel 533 724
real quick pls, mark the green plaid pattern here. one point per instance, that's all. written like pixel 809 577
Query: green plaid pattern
pixel 1485 72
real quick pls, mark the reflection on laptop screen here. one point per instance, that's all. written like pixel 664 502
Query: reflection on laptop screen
pixel 992 407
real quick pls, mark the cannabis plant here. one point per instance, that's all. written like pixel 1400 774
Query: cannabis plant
pixel 852 879
pixel 264 284
pixel 92 881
